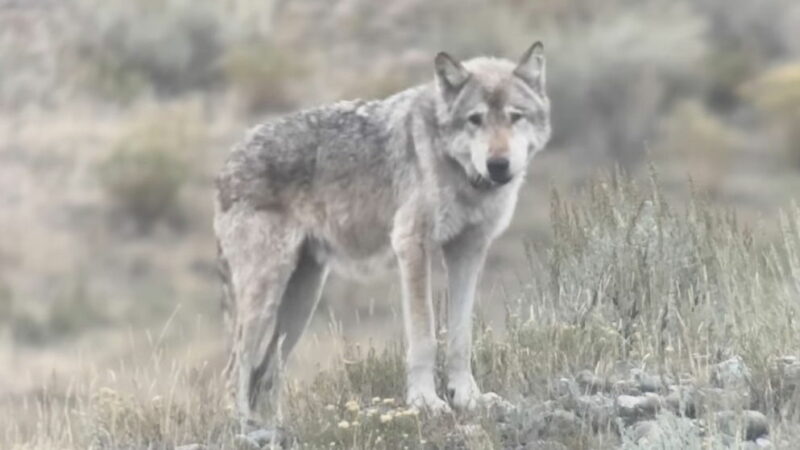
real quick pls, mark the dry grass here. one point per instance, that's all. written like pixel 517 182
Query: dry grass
pixel 629 278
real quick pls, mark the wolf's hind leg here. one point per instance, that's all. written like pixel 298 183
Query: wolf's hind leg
pixel 262 250
pixel 299 301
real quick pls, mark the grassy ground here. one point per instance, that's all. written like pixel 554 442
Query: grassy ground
pixel 630 280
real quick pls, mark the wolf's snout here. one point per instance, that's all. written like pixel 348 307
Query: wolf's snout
pixel 498 169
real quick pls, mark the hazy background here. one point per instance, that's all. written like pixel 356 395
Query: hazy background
pixel 115 115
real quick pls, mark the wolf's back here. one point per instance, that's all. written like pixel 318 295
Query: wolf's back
pixel 322 148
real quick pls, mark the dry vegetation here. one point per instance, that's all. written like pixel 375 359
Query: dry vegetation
pixel 631 282
pixel 114 116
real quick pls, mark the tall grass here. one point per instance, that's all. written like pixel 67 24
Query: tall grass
pixel 630 278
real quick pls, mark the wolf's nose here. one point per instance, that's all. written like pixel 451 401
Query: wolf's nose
pixel 498 169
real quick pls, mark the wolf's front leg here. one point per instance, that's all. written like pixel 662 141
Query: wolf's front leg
pixel 413 256
pixel 464 257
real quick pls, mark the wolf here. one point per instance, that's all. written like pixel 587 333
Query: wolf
pixel 355 186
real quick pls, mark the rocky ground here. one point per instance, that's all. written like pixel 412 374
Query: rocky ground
pixel 649 410
pixel 636 408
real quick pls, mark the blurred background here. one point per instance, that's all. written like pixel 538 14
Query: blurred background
pixel 116 114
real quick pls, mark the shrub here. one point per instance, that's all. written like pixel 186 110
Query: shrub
pixel 168 46
pixel 695 140
pixel 261 74
pixel 73 309
pixel 149 165
pixel 615 76
pixel 777 94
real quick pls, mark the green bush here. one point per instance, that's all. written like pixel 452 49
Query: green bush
pixel 167 46
pixel 260 74
pixel 71 311
pixel 777 94
pixel 697 142
pixel 149 165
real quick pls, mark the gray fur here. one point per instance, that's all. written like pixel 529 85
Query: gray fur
pixel 357 185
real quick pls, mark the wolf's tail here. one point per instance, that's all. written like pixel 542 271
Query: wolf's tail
pixel 228 302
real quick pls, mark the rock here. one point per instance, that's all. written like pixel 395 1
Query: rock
pixel 626 387
pixel 544 445
pixel 261 437
pixel 567 387
pixel 636 408
pixel 682 401
pixel 757 425
pixel 763 442
pixel 717 399
pixel 596 410
pixel 646 431
pixel 191 447
pixel 242 442
pixel 561 423
pixel 758 444
pixel 754 424
pixel 649 383
pixel 496 407
pixel 785 374
pixel 591 383
pixel 731 374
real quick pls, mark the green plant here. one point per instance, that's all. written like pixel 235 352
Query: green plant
pixel 777 94
pixel 149 165
pixel 167 46
pixel 261 75
pixel 692 138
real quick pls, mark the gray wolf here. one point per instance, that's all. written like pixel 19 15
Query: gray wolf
pixel 356 185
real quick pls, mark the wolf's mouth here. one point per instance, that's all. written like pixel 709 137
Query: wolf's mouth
pixel 481 183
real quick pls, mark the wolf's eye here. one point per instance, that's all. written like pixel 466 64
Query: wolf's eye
pixel 514 117
pixel 475 119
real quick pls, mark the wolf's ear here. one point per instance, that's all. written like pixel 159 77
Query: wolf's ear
pixel 450 75
pixel 531 67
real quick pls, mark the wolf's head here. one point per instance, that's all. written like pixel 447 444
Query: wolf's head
pixel 494 115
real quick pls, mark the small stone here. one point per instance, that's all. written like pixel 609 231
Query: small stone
pixel 597 410
pixel 646 431
pixel 242 442
pixel 682 401
pixel 626 387
pixel 649 383
pixel 561 423
pixel 545 445
pixel 754 424
pixel 757 425
pixel 567 387
pixel 785 374
pixel 763 442
pixel 636 408
pixel 496 407
pixel 731 374
pixel 591 383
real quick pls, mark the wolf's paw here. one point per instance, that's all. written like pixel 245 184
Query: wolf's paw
pixel 465 395
pixel 429 401
pixel 262 438
pixel 464 392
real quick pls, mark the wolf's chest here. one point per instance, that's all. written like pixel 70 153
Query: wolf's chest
pixel 492 213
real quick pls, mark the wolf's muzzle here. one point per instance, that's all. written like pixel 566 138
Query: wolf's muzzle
pixel 498 169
